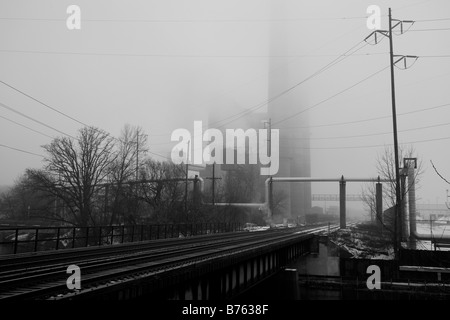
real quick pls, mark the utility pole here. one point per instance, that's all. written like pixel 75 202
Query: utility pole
pixel 270 137
pixel 187 169
pixel 213 183
pixel 394 120
pixel 213 178
pixel 398 196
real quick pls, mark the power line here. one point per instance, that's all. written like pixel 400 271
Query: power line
pixel 262 104
pixel 22 125
pixel 54 109
pixel 335 61
pixel 434 29
pixel 355 136
pixel 329 98
pixel 371 134
pixel 188 20
pixel 37 121
pixel 371 146
pixel 20 150
pixel 369 119
pixel 156 55
pixel 342 123
pixel 437 56
pixel 259 105
pixel 430 20
pixel 42 103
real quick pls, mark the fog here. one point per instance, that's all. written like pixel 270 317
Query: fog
pixel 162 65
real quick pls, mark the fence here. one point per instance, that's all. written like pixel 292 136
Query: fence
pixel 26 239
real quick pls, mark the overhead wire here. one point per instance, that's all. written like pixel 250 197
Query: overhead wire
pixel 433 29
pixel 370 119
pixel 329 98
pixel 21 150
pixel 260 105
pixel 264 103
pixel 53 109
pixel 432 20
pixel 37 121
pixel 189 20
pixel 371 134
pixel 360 121
pixel 24 126
pixel 165 55
pixel 42 103
pixel 370 146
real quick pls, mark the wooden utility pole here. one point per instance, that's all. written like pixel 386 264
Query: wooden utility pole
pixel 213 183
pixel 213 178
pixel 187 171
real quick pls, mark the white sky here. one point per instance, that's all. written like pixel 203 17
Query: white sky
pixel 163 64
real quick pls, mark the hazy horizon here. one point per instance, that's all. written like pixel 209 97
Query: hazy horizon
pixel 162 65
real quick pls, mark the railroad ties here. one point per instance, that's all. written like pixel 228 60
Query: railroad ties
pixel 213 266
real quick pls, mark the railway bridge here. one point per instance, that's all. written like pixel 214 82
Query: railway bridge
pixel 207 267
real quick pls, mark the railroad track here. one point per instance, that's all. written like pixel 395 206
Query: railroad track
pixel 46 278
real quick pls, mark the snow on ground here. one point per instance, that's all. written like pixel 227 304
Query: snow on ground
pixel 363 241
pixel 437 229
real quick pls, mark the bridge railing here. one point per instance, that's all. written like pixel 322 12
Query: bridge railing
pixel 32 239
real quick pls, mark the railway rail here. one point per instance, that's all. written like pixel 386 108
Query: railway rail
pixel 43 275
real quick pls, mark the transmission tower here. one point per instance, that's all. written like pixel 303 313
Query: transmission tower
pixel 394 60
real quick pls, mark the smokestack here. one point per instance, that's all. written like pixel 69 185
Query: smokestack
pixel 294 148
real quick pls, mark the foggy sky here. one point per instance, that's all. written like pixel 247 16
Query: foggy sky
pixel 162 65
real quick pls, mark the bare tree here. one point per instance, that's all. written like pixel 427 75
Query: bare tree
pixel 125 168
pixel 369 200
pixel 442 177
pixel 23 202
pixel 74 171
pixel 437 172
pixel 162 190
pixel 386 170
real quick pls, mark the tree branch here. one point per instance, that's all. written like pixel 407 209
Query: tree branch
pixel 439 173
